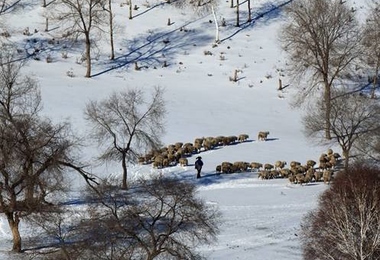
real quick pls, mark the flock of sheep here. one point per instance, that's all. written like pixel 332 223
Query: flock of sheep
pixel 329 163
pixel 177 154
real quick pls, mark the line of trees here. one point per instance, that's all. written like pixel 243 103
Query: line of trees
pixel 328 50
pixel 87 21
pixel 155 217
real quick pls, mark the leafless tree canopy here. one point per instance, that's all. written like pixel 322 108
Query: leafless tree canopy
pixel 371 43
pixel 154 219
pixel 346 224
pixel 80 18
pixel 321 38
pixel 161 218
pixel 31 148
pixel 126 123
pixel 353 116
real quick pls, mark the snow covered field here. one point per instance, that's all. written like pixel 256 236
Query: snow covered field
pixel 260 217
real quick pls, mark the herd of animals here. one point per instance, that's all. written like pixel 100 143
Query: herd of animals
pixel 298 173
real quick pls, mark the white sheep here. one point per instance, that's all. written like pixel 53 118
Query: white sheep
pixel 255 166
pixel 268 166
pixel 262 136
pixel 279 165
pixel 243 137
pixel 183 162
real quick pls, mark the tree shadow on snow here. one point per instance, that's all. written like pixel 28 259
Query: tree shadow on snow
pixel 267 12
pixel 158 48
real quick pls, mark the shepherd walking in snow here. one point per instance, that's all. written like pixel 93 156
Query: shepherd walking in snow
pixel 198 166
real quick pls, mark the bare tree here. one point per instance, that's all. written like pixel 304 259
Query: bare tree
pixel 237 13
pixel 353 116
pixel 82 18
pixel 31 149
pixel 346 223
pixel 159 218
pixel 125 123
pixel 321 38
pixel 249 11
pixel 111 28
pixel 371 43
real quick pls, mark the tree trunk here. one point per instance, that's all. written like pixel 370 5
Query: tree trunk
pixel 216 25
pixel 375 81
pixel 346 156
pixel 111 31
pixel 46 24
pixel 237 13
pixel 249 11
pixel 327 100
pixel 88 55
pixel 13 221
pixel 232 4
pixel 124 165
pixel 130 10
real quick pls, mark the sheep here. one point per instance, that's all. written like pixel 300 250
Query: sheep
pixel 188 148
pixel 207 145
pixel 332 161
pixel 317 176
pixel 325 165
pixel 178 145
pixel 279 165
pixel 212 141
pixel 219 140
pixel 197 147
pixel 300 178
pixel 292 178
pixel 172 148
pixel 327 176
pixel 273 174
pixel 243 137
pixel 183 162
pixel 309 175
pixel 323 158
pixel 285 173
pixel 228 140
pixel 294 164
pixel 158 161
pixel 268 166
pixel 165 162
pixel 218 168
pixel 264 175
pixel 172 159
pixel 226 167
pixel 311 163
pixel 262 136
pixel 241 166
pixel 199 140
pixel 255 166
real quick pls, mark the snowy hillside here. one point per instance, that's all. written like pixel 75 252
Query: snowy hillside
pixel 260 217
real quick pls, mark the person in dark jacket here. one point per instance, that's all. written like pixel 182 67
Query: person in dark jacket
pixel 198 166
